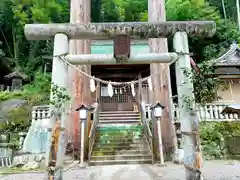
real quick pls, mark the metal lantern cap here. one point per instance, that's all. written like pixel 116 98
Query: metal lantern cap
pixel 83 112
pixel 157 109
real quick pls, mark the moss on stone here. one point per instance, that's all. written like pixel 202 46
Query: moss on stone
pixel 20 115
pixel 19 119
pixel 5 95
pixel 16 170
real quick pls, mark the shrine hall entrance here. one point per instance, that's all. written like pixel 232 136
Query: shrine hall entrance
pixel 122 99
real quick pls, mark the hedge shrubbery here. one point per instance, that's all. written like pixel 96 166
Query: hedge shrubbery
pixel 214 137
pixel 35 93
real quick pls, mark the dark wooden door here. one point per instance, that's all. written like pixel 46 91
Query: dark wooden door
pixel 122 99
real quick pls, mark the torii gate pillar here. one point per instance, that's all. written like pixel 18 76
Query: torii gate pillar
pixel 59 78
pixel 186 104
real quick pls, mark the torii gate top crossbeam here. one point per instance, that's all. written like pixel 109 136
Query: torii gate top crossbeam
pixel 136 30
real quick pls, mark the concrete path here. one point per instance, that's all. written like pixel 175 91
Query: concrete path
pixel 213 170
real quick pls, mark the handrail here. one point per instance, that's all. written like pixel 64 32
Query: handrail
pixel 92 133
pixel 147 129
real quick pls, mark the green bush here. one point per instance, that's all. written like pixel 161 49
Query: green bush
pixel 5 95
pixel 214 137
pixel 36 93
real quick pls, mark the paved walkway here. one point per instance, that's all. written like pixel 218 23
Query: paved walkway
pixel 213 170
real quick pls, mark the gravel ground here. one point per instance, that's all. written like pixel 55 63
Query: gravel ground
pixel 213 170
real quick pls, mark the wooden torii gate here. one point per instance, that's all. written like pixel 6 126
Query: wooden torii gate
pixel 62 33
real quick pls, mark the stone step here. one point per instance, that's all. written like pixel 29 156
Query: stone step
pixel 121 157
pixel 119 131
pixel 121 148
pixel 119 144
pixel 118 112
pixel 119 117
pixel 120 128
pixel 117 124
pixel 121 141
pixel 117 135
pixel 112 147
pixel 115 162
pixel 118 138
pixel 108 152
pixel 137 116
pixel 120 121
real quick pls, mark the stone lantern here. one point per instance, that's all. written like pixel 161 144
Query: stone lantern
pixel 15 80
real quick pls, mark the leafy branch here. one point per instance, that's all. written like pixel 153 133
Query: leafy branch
pixel 59 100
pixel 205 83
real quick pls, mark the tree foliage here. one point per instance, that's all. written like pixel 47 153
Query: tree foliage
pixel 216 138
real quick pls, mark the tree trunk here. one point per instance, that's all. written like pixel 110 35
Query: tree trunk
pixel 80 13
pixel 161 83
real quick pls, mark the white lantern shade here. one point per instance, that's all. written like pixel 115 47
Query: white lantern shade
pixel 158 111
pixel 83 114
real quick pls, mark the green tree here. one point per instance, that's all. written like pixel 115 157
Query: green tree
pixel 14 15
pixel 25 55
pixel 204 48
pixel 230 7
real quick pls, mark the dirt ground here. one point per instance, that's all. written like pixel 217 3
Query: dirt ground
pixel 213 170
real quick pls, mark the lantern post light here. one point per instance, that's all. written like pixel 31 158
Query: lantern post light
pixel 157 110
pixel 83 114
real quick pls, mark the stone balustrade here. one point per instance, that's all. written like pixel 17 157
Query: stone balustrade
pixel 38 130
pixel 212 112
pixel 40 113
pixel 5 155
pixel 207 112
pixel 5 88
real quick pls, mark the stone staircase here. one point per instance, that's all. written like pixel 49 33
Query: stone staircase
pixel 120 140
